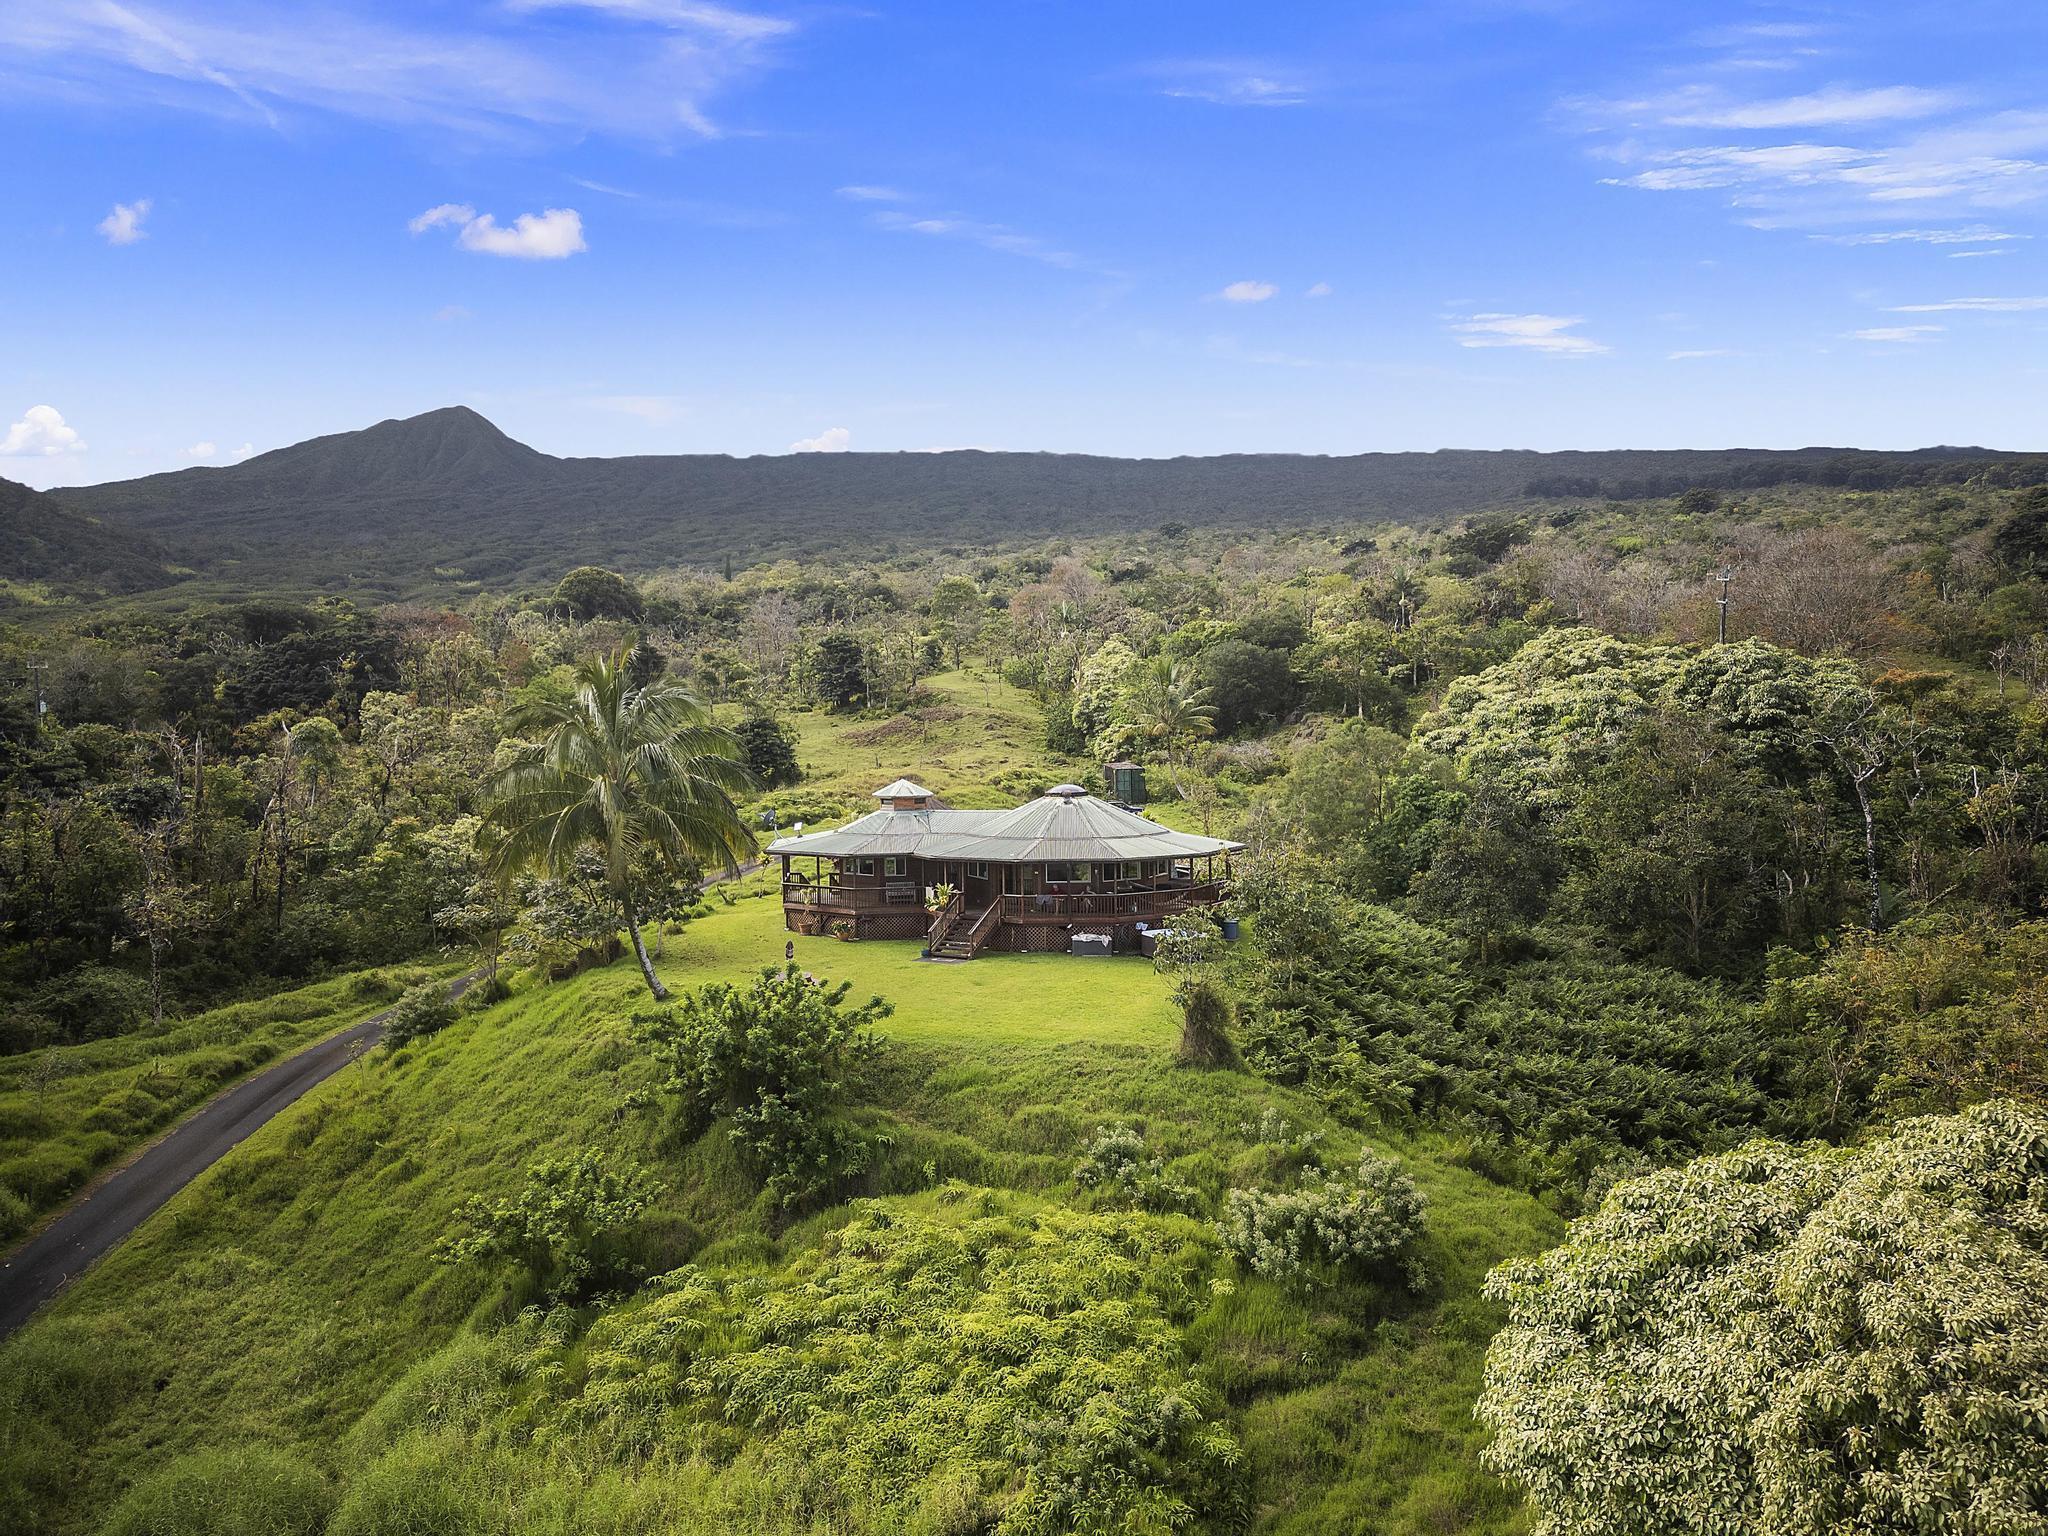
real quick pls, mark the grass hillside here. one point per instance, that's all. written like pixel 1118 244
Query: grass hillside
pixel 68 1111
pixel 289 1301
pixel 974 739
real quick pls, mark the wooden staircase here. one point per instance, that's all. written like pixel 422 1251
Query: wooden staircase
pixel 967 935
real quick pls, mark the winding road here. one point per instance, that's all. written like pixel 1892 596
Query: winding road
pixel 116 1203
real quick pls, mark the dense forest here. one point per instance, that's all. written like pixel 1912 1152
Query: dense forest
pixel 1662 850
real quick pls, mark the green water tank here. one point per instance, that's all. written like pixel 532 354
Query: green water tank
pixel 1127 783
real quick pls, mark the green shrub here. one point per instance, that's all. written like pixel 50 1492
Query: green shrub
pixel 371 987
pixel 1369 1222
pixel 483 993
pixel 92 1002
pixel 1115 1164
pixel 561 1225
pixel 250 1491
pixel 1205 1027
pixel 14 1215
pixel 771 1058
pixel 422 1010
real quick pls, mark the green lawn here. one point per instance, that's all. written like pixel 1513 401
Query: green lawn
pixel 278 1299
pixel 1021 999
pixel 68 1111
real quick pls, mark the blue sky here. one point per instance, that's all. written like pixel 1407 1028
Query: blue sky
pixel 648 226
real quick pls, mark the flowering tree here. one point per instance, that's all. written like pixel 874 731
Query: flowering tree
pixel 1783 1340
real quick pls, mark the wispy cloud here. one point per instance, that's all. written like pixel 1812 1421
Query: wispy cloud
pixel 1979 306
pixel 1835 107
pixel 717 20
pixel 990 237
pixel 1975 234
pixel 124 225
pixel 1896 333
pixel 873 194
pixel 41 433
pixel 1229 82
pixel 645 70
pixel 1689 353
pixel 1246 291
pixel 1318 291
pixel 1539 333
pixel 654 408
pixel 547 236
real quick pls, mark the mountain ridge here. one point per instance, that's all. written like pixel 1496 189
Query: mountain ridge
pixel 398 506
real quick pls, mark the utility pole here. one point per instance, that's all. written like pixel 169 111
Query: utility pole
pixel 1726 575
pixel 36 668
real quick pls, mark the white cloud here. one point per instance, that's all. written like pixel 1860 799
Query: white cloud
pixel 124 225
pixel 1318 291
pixel 1833 107
pixel 548 236
pixel 831 440
pixel 649 70
pixel 1889 333
pixel 1982 306
pixel 202 450
pixel 873 194
pixel 1541 333
pixel 719 20
pixel 247 450
pixel 1966 255
pixel 1987 162
pixel 1693 352
pixel 41 433
pixel 1976 234
pixel 441 213
pixel 1245 292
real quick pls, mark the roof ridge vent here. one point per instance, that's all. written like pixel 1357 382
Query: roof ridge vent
pixel 1067 792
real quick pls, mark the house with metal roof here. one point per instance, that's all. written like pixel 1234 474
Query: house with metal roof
pixel 1038 877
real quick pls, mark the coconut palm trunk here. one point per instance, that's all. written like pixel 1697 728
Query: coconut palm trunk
pixel 623 771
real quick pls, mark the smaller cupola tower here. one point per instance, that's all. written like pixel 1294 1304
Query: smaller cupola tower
pixel 905 795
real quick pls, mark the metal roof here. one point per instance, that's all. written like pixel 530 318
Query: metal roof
pixel 1058 828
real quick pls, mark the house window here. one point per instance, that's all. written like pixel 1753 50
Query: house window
pixel 977 870
pixel 892 867
pixel 863 866
pixel 1134 871
pixel 1081 872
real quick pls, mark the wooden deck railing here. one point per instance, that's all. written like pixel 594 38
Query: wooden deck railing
pixel 1128 904
pixel 833 898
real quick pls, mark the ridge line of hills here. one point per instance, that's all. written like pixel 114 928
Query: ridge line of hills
pixel 445 498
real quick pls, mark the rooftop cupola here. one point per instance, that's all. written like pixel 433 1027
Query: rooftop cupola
pixel 1066 792
pixel 905 795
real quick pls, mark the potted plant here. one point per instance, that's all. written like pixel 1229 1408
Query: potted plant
pixel 842 929
pixel 939 898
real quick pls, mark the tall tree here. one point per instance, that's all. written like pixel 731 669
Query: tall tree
pixel 1169 708
pixel 619 769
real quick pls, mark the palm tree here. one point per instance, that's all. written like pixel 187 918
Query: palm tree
pixel 1170 707
pixel 622 769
